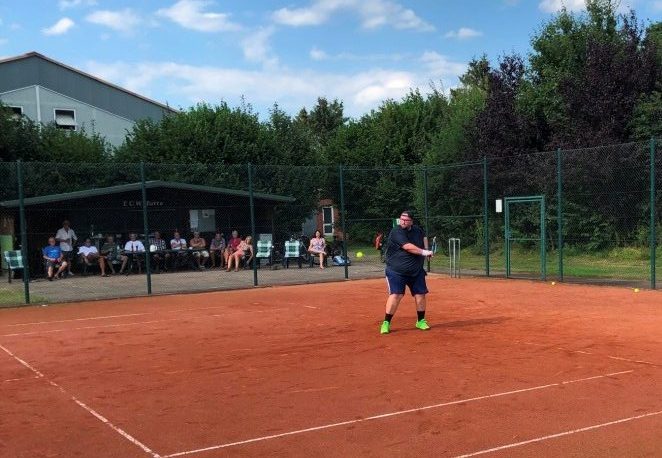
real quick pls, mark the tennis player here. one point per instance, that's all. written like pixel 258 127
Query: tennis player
pixel 406 250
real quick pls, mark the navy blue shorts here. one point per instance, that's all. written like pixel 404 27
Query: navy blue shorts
pixel 396 283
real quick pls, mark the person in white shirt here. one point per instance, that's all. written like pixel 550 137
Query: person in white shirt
pixel 67 238
pixel 133 249
pixel 89 255
pixel 180 253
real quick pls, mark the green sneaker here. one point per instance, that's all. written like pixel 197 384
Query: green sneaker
pixel 422 325
pixel 386 327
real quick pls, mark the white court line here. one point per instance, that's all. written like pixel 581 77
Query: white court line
pixel 565 433
pixel 118 316
pixel 20 379
pixel 387 415
pixel 78 319
pixel 88 409
pixel 48 331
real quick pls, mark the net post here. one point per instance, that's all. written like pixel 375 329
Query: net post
pixel 425 204
pixel 653 235
pixel 342 218
pixel 143 189
pixel 486 227
pixel 252 207
pixel 24 235
pixel 559 211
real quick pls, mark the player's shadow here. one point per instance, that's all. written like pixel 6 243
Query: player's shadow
pixel 474 322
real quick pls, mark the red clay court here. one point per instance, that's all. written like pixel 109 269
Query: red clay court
pixel 509 368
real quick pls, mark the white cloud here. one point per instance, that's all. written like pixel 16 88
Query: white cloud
pixel 66 4
pixel 552 6
pixel 318 54
pixel 440 66
pixel 190 15
pixel 373 14
pixel 124 21
pixel 59 28
pixel 183 85
pixel 256 47
pixel 463 33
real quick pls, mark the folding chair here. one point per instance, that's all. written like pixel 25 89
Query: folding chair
pixel 14 260
pixel 291 251
pixel 264 251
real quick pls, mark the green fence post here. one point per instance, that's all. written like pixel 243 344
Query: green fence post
pixel 24 234
pixel 559 211
pixel 342 218
pixel 425 204
pixel 252 206
pixel 653 236
pixel 486 222
pixel 143 188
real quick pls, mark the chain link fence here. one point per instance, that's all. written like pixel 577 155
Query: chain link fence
pixel 586 215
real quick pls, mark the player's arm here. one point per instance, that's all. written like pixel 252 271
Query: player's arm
pixel 425 243
pixel 413 249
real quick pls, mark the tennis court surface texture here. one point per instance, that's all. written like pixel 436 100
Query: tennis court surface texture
pixel 509 369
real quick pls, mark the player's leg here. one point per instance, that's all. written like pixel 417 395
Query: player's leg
pixel 395 284
pixel 419 290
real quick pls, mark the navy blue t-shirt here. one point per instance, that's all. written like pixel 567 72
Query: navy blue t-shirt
pixel 399 260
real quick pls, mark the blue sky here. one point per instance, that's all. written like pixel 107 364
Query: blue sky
pixel 360 51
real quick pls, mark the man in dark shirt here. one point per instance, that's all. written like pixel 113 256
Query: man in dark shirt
pixel 406 251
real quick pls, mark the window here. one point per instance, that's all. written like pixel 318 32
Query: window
pixel 327 220
pixel 15 112
pixel 65 119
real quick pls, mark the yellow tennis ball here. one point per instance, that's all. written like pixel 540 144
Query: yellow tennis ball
pixel 636 290
pixel 553 283
pixel 359 254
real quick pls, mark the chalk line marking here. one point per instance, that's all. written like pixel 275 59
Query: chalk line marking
pixel 78 319
pixel 390 414
pixel 20 379
pixel 96 414
pixel 101 326
pixel 159 312
pixel 583 352
pixel 564 433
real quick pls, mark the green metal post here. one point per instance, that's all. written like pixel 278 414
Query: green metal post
pixel 486 222
pixel 24 234
pixel 653 235
pixel 143 188
pixel 252 206
pixel 506 204
pixel 426 210
pixel 342 218
pixel 543 243
pixel 559 210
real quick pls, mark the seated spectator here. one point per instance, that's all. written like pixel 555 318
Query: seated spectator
pixel 244 251
pixel 109 254
pixel 216 249
pixel 178 246
pixel 132 249
pixel 89 255
pixel 231 247
pixel 198 245
pixel 317 247
pixel 53 258
pixel 159 253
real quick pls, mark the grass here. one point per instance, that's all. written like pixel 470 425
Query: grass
pixel 15 295
pixel 619 263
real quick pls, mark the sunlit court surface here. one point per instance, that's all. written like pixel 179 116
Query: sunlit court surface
pixel 509 368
